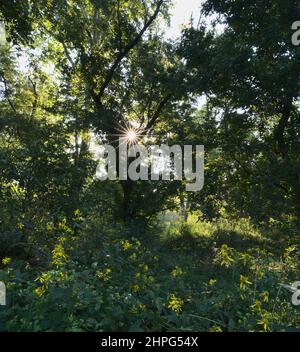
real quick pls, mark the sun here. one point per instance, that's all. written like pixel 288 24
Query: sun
pixel 131 136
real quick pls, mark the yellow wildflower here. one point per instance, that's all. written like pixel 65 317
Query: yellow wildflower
pixel 6 261
pixel 256 307
pixel 59 256
pixel 64 227
pixel 63 276
pixel 224 255
pixel 175 303
pixel 244 282
pixel 265 296
pixel 104 275
pixel 149 279
pixel 177 272
pixel 44 278
pixel 260 274
pixel 40 291
pixel 265 322
pixel 126 245
pixel 246 258
pixel 144 267
pixel 212 282
pixel 77 212
pixel 21 226
pixel 216 328
pixel 142 306
pixel 135 288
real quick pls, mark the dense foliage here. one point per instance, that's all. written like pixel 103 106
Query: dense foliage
pixel 80 254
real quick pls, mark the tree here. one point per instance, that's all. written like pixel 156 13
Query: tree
pixel 252 86
pixel 126 73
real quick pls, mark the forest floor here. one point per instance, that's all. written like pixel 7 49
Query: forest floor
pixel 178 276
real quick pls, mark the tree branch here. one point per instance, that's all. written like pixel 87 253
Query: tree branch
pixel 36 97
pixel 157 112
pixel 6 94
pixel 279 131
pixel 125 52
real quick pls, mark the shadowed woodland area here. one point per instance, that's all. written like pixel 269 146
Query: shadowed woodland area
pixel 80 254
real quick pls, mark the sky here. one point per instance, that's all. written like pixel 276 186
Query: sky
pixel 181 14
